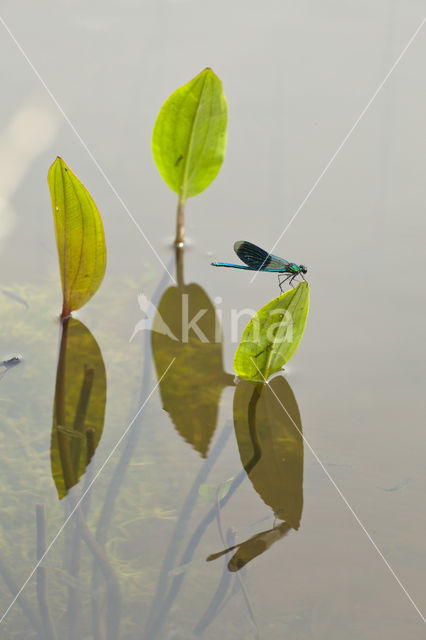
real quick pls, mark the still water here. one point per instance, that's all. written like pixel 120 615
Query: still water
pixel 322 504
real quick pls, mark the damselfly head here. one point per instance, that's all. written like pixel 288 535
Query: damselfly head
pixel 302 268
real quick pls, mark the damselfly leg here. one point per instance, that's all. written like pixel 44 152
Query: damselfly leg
pixel 281 282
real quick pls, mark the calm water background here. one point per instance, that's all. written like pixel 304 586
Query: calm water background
pixel 296 76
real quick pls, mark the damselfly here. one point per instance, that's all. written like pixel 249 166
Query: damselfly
pixel 257 259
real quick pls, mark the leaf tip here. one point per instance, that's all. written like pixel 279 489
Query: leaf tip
pixel 58 162
pixel 209 71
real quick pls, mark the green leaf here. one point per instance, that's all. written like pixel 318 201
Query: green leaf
pixel 80 397
pixel 189 137
pixel 273 334
pixel 79 237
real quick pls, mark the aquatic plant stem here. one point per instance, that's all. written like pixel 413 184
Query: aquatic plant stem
pixel 49 630
pixel 66 310
pixel 74 557
pixel 167 598
pixel 237 574
pixel 80 415
pixel 160 606
pixel 112 585
pixel 180 222
pixel 218 601
pixel 118 476
pixel 90 444
pixel 163 600
pixel 73 595
pixel 257 450
pixel 179 251
pixel 23 600
pixel 60 418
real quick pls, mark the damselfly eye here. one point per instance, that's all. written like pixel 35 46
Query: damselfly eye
pixel 303 269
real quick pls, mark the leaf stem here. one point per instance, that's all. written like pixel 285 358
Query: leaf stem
pixel 180 219
pixel 254 436
pixel 66 308
pixel 60 414
pixel 179 265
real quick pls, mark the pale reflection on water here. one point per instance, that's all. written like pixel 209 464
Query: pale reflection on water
pixel 28 134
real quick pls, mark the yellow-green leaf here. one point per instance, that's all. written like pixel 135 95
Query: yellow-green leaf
pixel 80 237
pixel 189 137
pixel 273 334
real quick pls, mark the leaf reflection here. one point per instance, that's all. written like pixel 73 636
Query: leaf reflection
pixel 269 436
pixel 79 409
pixel 192 388
pixel 252 547
pixel 271 446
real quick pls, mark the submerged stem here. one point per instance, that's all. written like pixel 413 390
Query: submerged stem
pixel 43 603
pixel 60 413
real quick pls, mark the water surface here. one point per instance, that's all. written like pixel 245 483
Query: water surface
pixel 142 557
